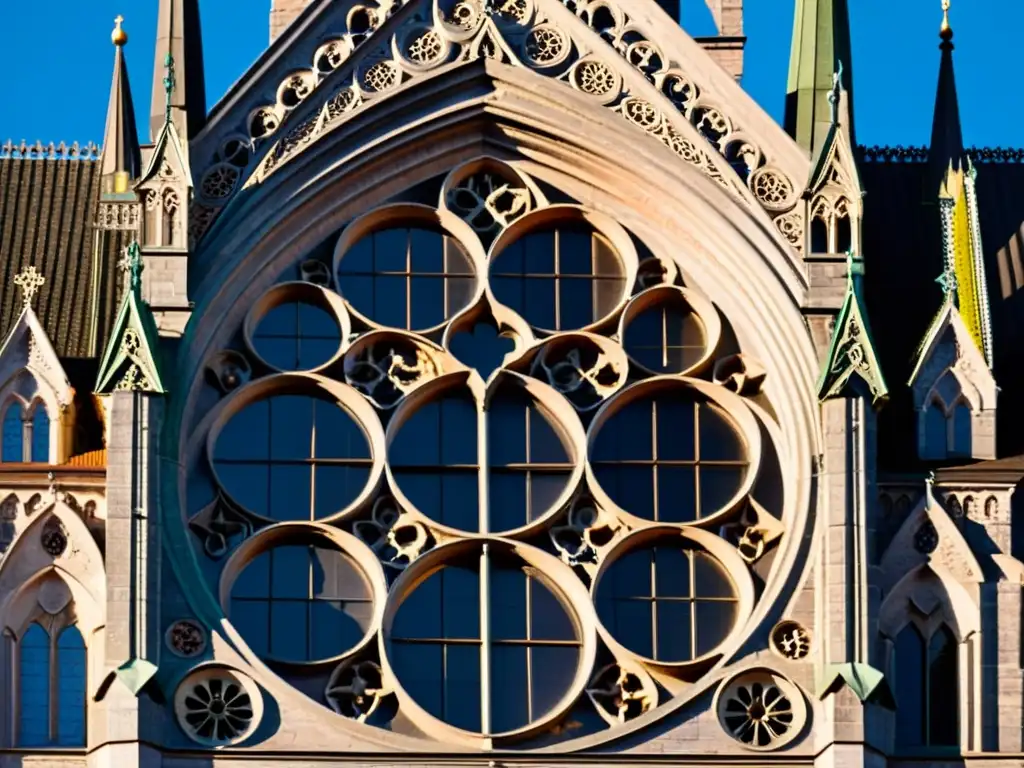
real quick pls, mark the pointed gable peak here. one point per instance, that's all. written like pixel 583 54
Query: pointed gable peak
pixel 130 361
pixel 851 354
pixel 179 86
pixel 821 40
pixel 835 160
pixel 121 159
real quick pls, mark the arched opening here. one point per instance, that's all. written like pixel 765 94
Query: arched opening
pixel 927 688
pixel 819 235
pixel 14 436
pixel 844 234
pixel 935 432
pixel 960 434
pixel 168 230
pixel 41 435
pixel 34 688
pixel 51 690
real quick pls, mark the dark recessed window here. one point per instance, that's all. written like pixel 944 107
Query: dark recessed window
pixel 297 337
pixel 301 603
pixel 927 685
pixel 666 603
pixel 667 338
pixel 293 457
pixel 407 278
pixel 559 279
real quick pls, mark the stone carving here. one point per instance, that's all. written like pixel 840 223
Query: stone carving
pixel 356 690
pixel 791 640
pixel 487 202
pixel 381 76
pixel 38 151
pixel 655 271
pixel 220 181
pixel 54 595
pixel 385 377
pixel 8 514
pixel 953 506
pixel 186 638
pixel 396 542
pixel 772 189
pixel 133 380
pixel 583 535
pixel 119 216
pixel 620 693
pixel 545 46
pixel 215 707
pixel 315 272
pixel 742 374
pixel 791 226
pixel 584 374
pixel 425 47
pixel 991 508
pixel 753 531
pixel 54 537
pixel 219 524
pixel 229 370
pixel 757 712
pixel 595 78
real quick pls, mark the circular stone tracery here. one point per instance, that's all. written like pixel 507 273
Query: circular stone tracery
pixel 543 396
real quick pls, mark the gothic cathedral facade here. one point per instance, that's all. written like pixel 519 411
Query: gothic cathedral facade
pixel 750 465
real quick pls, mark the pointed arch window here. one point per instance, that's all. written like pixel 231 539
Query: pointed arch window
pixel 948 421
pixel 169 228
pixel 51 688
pixel 26 433
pixel 927 688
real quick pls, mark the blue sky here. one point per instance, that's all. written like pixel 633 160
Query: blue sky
pixel 57 65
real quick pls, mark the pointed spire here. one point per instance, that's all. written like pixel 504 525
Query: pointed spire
pixel 179 39
pixel 947 145
pixel 121 159
pixel 851 355
pixel 821 40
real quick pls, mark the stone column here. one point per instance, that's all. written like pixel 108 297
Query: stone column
pixel 118 721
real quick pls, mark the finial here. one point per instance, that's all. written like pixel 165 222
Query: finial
pixel 948 282
pixel 945 31
pixel 854 265
pixel 30 281
pixel 131 264
pixel 119 37
pixel 836 93
pixel 169 82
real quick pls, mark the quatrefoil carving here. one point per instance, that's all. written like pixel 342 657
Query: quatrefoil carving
pixel 396 541
pixel 584 534
pixel 621 693
pixel 753 531
pixel 356 690
pixel 386 371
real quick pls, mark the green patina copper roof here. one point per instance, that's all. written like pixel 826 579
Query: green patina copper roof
pixel 852 351
pixel 130 361
pixel 866 682
pixel 821 39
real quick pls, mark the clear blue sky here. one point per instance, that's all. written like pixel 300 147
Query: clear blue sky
pixel 56 60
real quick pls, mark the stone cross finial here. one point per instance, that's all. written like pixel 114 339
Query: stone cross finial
pixel 948 282
pixel 169 82
pixel 30 281
pixel 836 93
pixel 131 264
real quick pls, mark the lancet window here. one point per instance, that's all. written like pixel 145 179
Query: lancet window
pixel 26 433
pixel 927 688
pixel 441 470
pixel 947 421
pixel 51 688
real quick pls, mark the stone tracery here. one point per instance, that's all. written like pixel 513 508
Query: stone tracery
pixel 569 381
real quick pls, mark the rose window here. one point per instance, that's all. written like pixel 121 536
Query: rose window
pixel 489 476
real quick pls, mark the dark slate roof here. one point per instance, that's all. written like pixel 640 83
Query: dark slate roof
pixel 903 257
pixel 48 205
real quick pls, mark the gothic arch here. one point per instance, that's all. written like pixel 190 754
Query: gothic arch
pixel 928 588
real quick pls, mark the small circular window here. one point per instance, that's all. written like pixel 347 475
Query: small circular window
pixel 301 603
pixel 443 634
pixel 297 337
pixel 672 457
pixel 560 279
pixel 667 603
pixel 407 278
pixel 293 457
pixel 668 337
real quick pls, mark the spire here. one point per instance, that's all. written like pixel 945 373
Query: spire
pixel 179 38
pixel 851 355
pixel 122 161
pixel 821 40
pixel 947 138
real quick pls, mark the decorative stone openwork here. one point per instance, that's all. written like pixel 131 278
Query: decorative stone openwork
pixel 761 710
pixel 513 413
pixel 186 638
pixel 217 707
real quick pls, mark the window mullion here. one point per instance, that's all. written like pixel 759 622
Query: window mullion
pixel 485 641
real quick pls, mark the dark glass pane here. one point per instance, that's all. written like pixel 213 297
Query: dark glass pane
pixel 961 431
pixel 281 353
pixel 508 603
pixel 245 436
pixel 910 688
pixel 290 491
pixel 427 251
pixel 335 627
pixel 546 446
pixel 626 435
pixel 337 487
pixel 676 429
pixel 508 502
pixel 315 322
pixel 676 494
pixel 714 623
pixel 549 618
pixel 545 489
pixel 510 291
pixel 674 630
pixel 539 302
pixel 460 591
pixel 553 671
pixel 631 487
pixel 710 578
pixel 506 429
pixel 40 435
pixel 630 623
pixel 290 572
pixel 462 686
pixel 420 616
pixel 575 252
pixel 936 439
pixel 418 441
pixel 576 303
pixel 717 487
pixel 509 688
pixel 643 339
pixel 539 253
pixel 460 500
pixel 391 250
pixel 458 432
pixel 336 576
pixel 337 435
pixel 943 682
pixel 389 301
pixel 71 662
pixel 252 620
pixel 254 580
pixel 629 576
pixel 423 491
pixel 358 258
pixel 420 670
pixel 289 636
pixel 427 303
pixel 291 427
pixel 34 687
pixel 672 572
pixel 282 320
pixel 483 349
pixel 247 484
pixel 718 438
